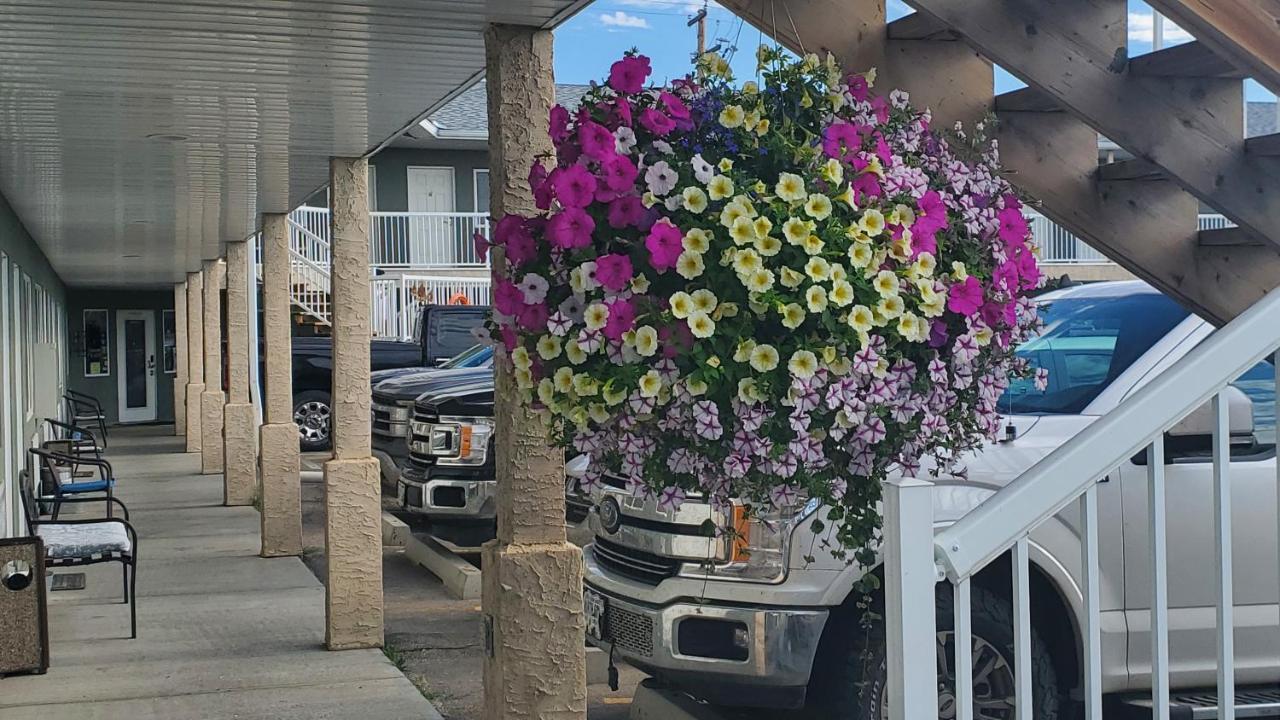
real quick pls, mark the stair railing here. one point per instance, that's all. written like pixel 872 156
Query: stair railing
pixel 916 559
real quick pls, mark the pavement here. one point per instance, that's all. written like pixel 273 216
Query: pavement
pixel 436 639
pixel 222 633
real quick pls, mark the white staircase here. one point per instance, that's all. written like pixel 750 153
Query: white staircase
pixel 414 259
pixel 1065 484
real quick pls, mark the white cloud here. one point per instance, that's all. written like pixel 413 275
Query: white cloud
pixel 1142 29
pixel 620 19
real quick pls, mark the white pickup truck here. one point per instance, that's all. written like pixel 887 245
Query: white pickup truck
pixel 779 625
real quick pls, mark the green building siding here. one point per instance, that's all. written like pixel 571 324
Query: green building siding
pixel 105 388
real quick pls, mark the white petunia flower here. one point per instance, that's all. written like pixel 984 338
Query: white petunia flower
pixel 661 178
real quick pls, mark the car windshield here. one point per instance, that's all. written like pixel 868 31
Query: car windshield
pixel 473 356
pixel 1086 344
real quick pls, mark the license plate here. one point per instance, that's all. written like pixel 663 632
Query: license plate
pixel 593 607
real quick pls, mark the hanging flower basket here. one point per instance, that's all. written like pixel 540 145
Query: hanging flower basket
pixel 770 291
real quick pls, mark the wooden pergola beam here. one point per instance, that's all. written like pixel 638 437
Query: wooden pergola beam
pixel 1076 54
pixel 1193 59
pixel 1245 32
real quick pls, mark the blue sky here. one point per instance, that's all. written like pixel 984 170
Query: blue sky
pixel 592 40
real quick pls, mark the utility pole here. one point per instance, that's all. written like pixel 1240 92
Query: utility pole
pixel 700 19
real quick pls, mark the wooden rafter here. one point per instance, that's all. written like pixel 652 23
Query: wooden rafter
pixel 1245 32
pixel 1076 53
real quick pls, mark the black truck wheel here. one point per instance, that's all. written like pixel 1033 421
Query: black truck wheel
pixel 848 684
pixel 313 412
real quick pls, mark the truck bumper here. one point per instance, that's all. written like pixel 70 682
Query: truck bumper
pixel 733 655
pixel 445 498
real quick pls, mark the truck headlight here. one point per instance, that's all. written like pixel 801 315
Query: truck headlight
pixel 758 546
pixel 460 441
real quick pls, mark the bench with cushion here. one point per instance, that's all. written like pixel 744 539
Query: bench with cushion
pixel 69 543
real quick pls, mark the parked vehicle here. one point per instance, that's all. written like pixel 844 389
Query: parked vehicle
pixel 771 619
pixel 395 391
pixel 441 332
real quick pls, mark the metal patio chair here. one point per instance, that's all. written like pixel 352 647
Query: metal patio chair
pixel 59 484
pixel 71 543
pixel 86 410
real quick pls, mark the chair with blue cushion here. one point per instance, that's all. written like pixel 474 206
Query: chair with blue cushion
pixel 59 474
pixel 87 541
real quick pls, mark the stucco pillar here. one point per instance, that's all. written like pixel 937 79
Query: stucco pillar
pixel 180 358
pixel 278 436
pixel 239 422
pixel 353 510
pixel 532 587
pixel 195 359
pixel 212 399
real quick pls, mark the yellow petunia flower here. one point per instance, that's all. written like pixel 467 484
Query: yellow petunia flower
pixel 731 212
pixel 574 352
pixel 818 207
pixel 695 387
pixel 764 226
pixel 803 364
pixel 759 280
pixel 764 358
pixel 548 347
pixel 790 278
pixel 762 127
pixel 725 165
pixel 720 187
pixel 585 385
pixel 795 230
pixel 563 379
pixel 704 300
pixel 841 293
pixel 520 358
pixel 816 298
pixel 696 240
pixel 640 284
pixel 743 231
pixel 701 325
pixel 817 269
pixel 813 244
pixel 891 307
pixel 597 314
pixel 646 341
pixel 746 261
pixel 872 222
pixel 832 171
pixel 742 353
pixel 861 319
pixel 792 316
pixel 913 328
pixel 860 255
pixel 689 265
pixel 650 384
pixel 681 305
pixel 694 200
pixel 886 283
pixel 732 116
pixel 791 188
pixel 768 245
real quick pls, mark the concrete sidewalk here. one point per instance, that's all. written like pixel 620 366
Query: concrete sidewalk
pixel 222 633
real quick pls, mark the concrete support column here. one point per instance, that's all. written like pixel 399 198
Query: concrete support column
pixel 532 589
pixel 353 509
pixel 180 376
pixel 278 436
pixel 240 427
pixel 195 359
pixel 212 399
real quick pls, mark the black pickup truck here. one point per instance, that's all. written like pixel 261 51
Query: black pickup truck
pixel 441 332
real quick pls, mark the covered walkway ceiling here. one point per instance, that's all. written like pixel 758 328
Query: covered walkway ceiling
pixel 137 136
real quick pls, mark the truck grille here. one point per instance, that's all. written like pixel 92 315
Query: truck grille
pixel 421 460
pixel 576 508
pixel 635 564
pixel 383 411
pixel 630 631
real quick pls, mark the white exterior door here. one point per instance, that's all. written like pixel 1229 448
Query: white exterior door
pixel 136 361
pixel 431 236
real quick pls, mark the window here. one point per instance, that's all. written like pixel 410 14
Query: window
pixel 481 178
pixel 373 187
pixel 453 332
pixel 170 344
pixel 1087 343
pixel 1259 383
pixel 97 344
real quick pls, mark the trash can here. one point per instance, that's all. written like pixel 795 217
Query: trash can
pixel 24 620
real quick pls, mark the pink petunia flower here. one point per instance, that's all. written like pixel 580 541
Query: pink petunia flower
pixel 559 124
pixel 481 244
pixel 622 317
pixel 627 75
pixel 596 140
pixel 1013 226
pixel 619 173
pixel 538 183
pixel 965 298
pixel 664 245
pixel 508 298
pixel 614 271
pixel 574 186
pixel 656 122
pixel 626 211
pixel 571 228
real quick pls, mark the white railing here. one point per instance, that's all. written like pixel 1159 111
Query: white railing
pixel 426 239
pixel 1066 482
pixel 398 301
pixel 1058 246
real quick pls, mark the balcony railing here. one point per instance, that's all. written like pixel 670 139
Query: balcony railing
pixel 1059 247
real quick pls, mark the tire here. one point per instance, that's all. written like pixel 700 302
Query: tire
pixel 313 414
pixel 842 688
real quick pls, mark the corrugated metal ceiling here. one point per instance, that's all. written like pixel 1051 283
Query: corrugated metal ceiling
pixel 137 137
